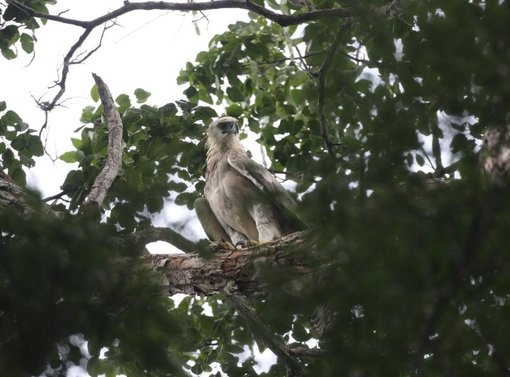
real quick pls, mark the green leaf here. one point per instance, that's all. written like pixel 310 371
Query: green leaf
pixel 35 146
pixel 77 143
pixel 3 106
pixel 14 13
pixel 185 198
pixel 204 113
pixel 69 157
pixel 177 186
pixel 16 173
pixel 420 160
pixel 8 54
pixel 235 94
pixel 141 95
pixel 168 110
pixel 10 118
pixel 94 93
pixel 21 126
pixel 234 110
pixel 124 102
pixel 9 35
pixel 87 115
pixel 27 43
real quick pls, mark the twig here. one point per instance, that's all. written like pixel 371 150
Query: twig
pixel 55 197
pixel 88 54
pixel 363 62
pixel 461 269
pixel 436 148
pixel 282 60
pixel 428 158
pixel 302 60
pixel 323 71
pixel 275 343
pixel 113 163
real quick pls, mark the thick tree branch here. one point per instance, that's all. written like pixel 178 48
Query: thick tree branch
pixel 113 162
pixel 11 195
pixel 229 271
pixel 495 155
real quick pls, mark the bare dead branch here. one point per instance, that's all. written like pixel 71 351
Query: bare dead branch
pixel 113 163
pixel 80 60
pixel 48 106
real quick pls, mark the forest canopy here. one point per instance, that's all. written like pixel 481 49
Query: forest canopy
pixel 391 119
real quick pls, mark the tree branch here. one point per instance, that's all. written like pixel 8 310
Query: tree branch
pixel 50 105
pixel 273 342
pixel 152 234
pixel 88 26
pixel 281 19
pixel 322 89
pixel 495 155
pixel 113 162
pixel 229 271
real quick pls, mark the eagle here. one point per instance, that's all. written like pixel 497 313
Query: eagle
pixel 244 203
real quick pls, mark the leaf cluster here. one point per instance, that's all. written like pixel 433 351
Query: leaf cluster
pixel 60 281
pixel 17 26
pixel 18 144
pixel 163 157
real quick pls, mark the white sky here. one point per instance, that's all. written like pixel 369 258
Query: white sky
pixel 147 50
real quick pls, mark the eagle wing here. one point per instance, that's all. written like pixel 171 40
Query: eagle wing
pixel 275 193
pixel 210 222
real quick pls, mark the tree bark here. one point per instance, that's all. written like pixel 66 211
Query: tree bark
pixel 225 271
pixel 228 271
pixel 495 154
pixel 113 165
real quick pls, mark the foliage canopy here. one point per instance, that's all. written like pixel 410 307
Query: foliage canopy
pixel 378 117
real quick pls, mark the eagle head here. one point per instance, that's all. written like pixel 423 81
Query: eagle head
pixel 223 131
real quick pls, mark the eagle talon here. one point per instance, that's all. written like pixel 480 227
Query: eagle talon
pixel 221 245
pixel 246 243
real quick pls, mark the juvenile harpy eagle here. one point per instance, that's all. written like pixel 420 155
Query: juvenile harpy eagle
pixel 243 201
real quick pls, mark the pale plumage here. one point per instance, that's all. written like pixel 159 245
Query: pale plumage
pixel 244 201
